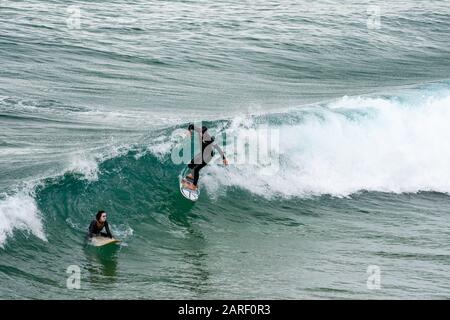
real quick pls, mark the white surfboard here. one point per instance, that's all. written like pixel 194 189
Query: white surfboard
pixel 103 241
pixel 185 191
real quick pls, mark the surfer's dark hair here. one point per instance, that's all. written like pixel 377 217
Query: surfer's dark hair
pixel 99 214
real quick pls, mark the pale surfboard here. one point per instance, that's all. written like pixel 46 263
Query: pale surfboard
pixel 185 191
pixel 103 241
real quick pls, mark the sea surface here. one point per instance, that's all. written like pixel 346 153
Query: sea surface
pixel 351 99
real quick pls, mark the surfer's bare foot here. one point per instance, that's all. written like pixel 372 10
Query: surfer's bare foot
pixel 185 183
pixel 189 176
pixel 192 187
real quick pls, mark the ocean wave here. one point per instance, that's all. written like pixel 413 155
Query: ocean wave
pixel 387 144
pixel 391 143
pixel 20 212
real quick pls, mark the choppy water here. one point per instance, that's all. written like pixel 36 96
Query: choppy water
pixel 87 115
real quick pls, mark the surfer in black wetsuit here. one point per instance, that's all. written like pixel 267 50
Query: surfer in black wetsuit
pixel 203 158
pixel 98 224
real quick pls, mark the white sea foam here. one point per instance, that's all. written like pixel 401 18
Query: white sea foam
pixel 360 143
pixel 19 212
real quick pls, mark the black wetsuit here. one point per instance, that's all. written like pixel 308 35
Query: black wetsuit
pixel 94 230
pixel 202 159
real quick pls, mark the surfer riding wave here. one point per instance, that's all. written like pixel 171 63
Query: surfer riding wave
pixel 204 157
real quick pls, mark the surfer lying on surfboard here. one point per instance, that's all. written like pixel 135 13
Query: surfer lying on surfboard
pixel 203 158
pixel 98 224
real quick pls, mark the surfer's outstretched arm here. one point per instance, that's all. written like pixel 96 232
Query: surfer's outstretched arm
pixel 222 154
